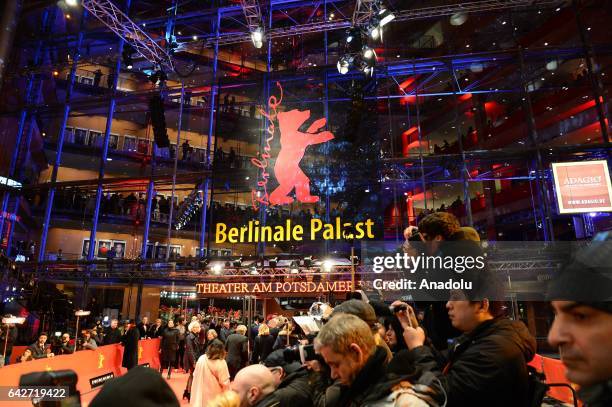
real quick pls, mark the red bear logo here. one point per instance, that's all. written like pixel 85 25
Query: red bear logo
pixel 293 145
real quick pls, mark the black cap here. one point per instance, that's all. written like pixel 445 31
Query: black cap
pixel 359 308
pixel 277 359
pixel 139 387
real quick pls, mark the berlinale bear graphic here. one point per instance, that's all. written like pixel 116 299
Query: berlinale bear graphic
pixel 293 145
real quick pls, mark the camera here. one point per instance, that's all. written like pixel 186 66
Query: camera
pixel 300 353
pixel 58 378
pixel 396 309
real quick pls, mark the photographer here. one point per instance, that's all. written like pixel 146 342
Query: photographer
pixel 347 345
pixel 485 366
pixel 64 347
pixel 87 342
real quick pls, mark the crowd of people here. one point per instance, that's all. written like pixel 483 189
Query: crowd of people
pixel 368 353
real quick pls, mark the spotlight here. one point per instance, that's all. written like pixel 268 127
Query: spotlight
pixel 257 37
pixel 369 53
pixel 354 260
pixel 458 19
pixel 385 16
pixel 344 64
pixel 237 262
pixel 327 266
pixel 294 267
pixel 374 31
pixel 253 270
pixel 217 269
pixel 72 3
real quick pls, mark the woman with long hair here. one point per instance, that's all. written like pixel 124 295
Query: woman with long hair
pixel 263 344
pixel 211 376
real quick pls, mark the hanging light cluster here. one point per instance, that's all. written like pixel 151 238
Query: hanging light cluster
pixel 190 206
pixel 357 53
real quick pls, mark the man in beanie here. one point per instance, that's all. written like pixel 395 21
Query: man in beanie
pixel 291 380
pixel 582 330
pixel 139 387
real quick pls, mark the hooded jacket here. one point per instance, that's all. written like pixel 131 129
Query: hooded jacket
pixel 599 395
pixel 485 367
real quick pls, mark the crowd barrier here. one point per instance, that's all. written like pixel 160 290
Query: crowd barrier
pixel 93 367
pixel 554 371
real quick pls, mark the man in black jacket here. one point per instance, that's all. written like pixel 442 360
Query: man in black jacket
pixel 347 345
pixel 65 348
pixel 487 365
pixel 113 333
pixel 143 327
pixel 129 341
pixel 39 349
pixel 292 381
pixel 237 351
pixel 157 329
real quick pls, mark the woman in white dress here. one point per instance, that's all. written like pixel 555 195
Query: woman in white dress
pixel 211 376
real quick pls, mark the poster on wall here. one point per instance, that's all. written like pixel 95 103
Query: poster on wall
pixel 583 187
pixel 103 247
pixel 119 246
pixel 85 248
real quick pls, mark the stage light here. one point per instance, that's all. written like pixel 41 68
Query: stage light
pixel 374 31
pixel 327 266
pixel 344 64
pixel 217 269
pixel 458 19
pixel 294 268
pixel 385 16
pixel 257 37
pixel 368 53
pixel 253 270
pixel 237 262
pixel 72 3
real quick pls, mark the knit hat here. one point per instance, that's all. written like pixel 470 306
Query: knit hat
pixel 587 279
pixel 359 308
pixel 139 387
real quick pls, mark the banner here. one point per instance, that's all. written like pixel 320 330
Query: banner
pixel 583 187
pixel 89 365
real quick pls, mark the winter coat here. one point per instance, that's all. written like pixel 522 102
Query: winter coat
pixel 262 348
pixel 599 395
pixel 129 341
pixel 295 389
pixel 486 367
pixel 156 331
pixel 375 386
pixel 192 351
pixel 237 352
pixel 210 378
pixel 112 336
pixel 169 345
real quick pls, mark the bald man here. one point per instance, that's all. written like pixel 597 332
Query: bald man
pixel 255 386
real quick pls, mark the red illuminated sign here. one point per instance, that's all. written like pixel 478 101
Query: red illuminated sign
pixel 293 146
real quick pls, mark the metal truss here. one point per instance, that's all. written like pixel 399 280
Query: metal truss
pixel 524 265
pixel 363 13
pixel 124 27
pixel 252 14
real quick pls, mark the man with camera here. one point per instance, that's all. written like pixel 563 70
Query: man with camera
pixel 487 365
pixel 64 347
pixel 347 345
pixel 39 349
